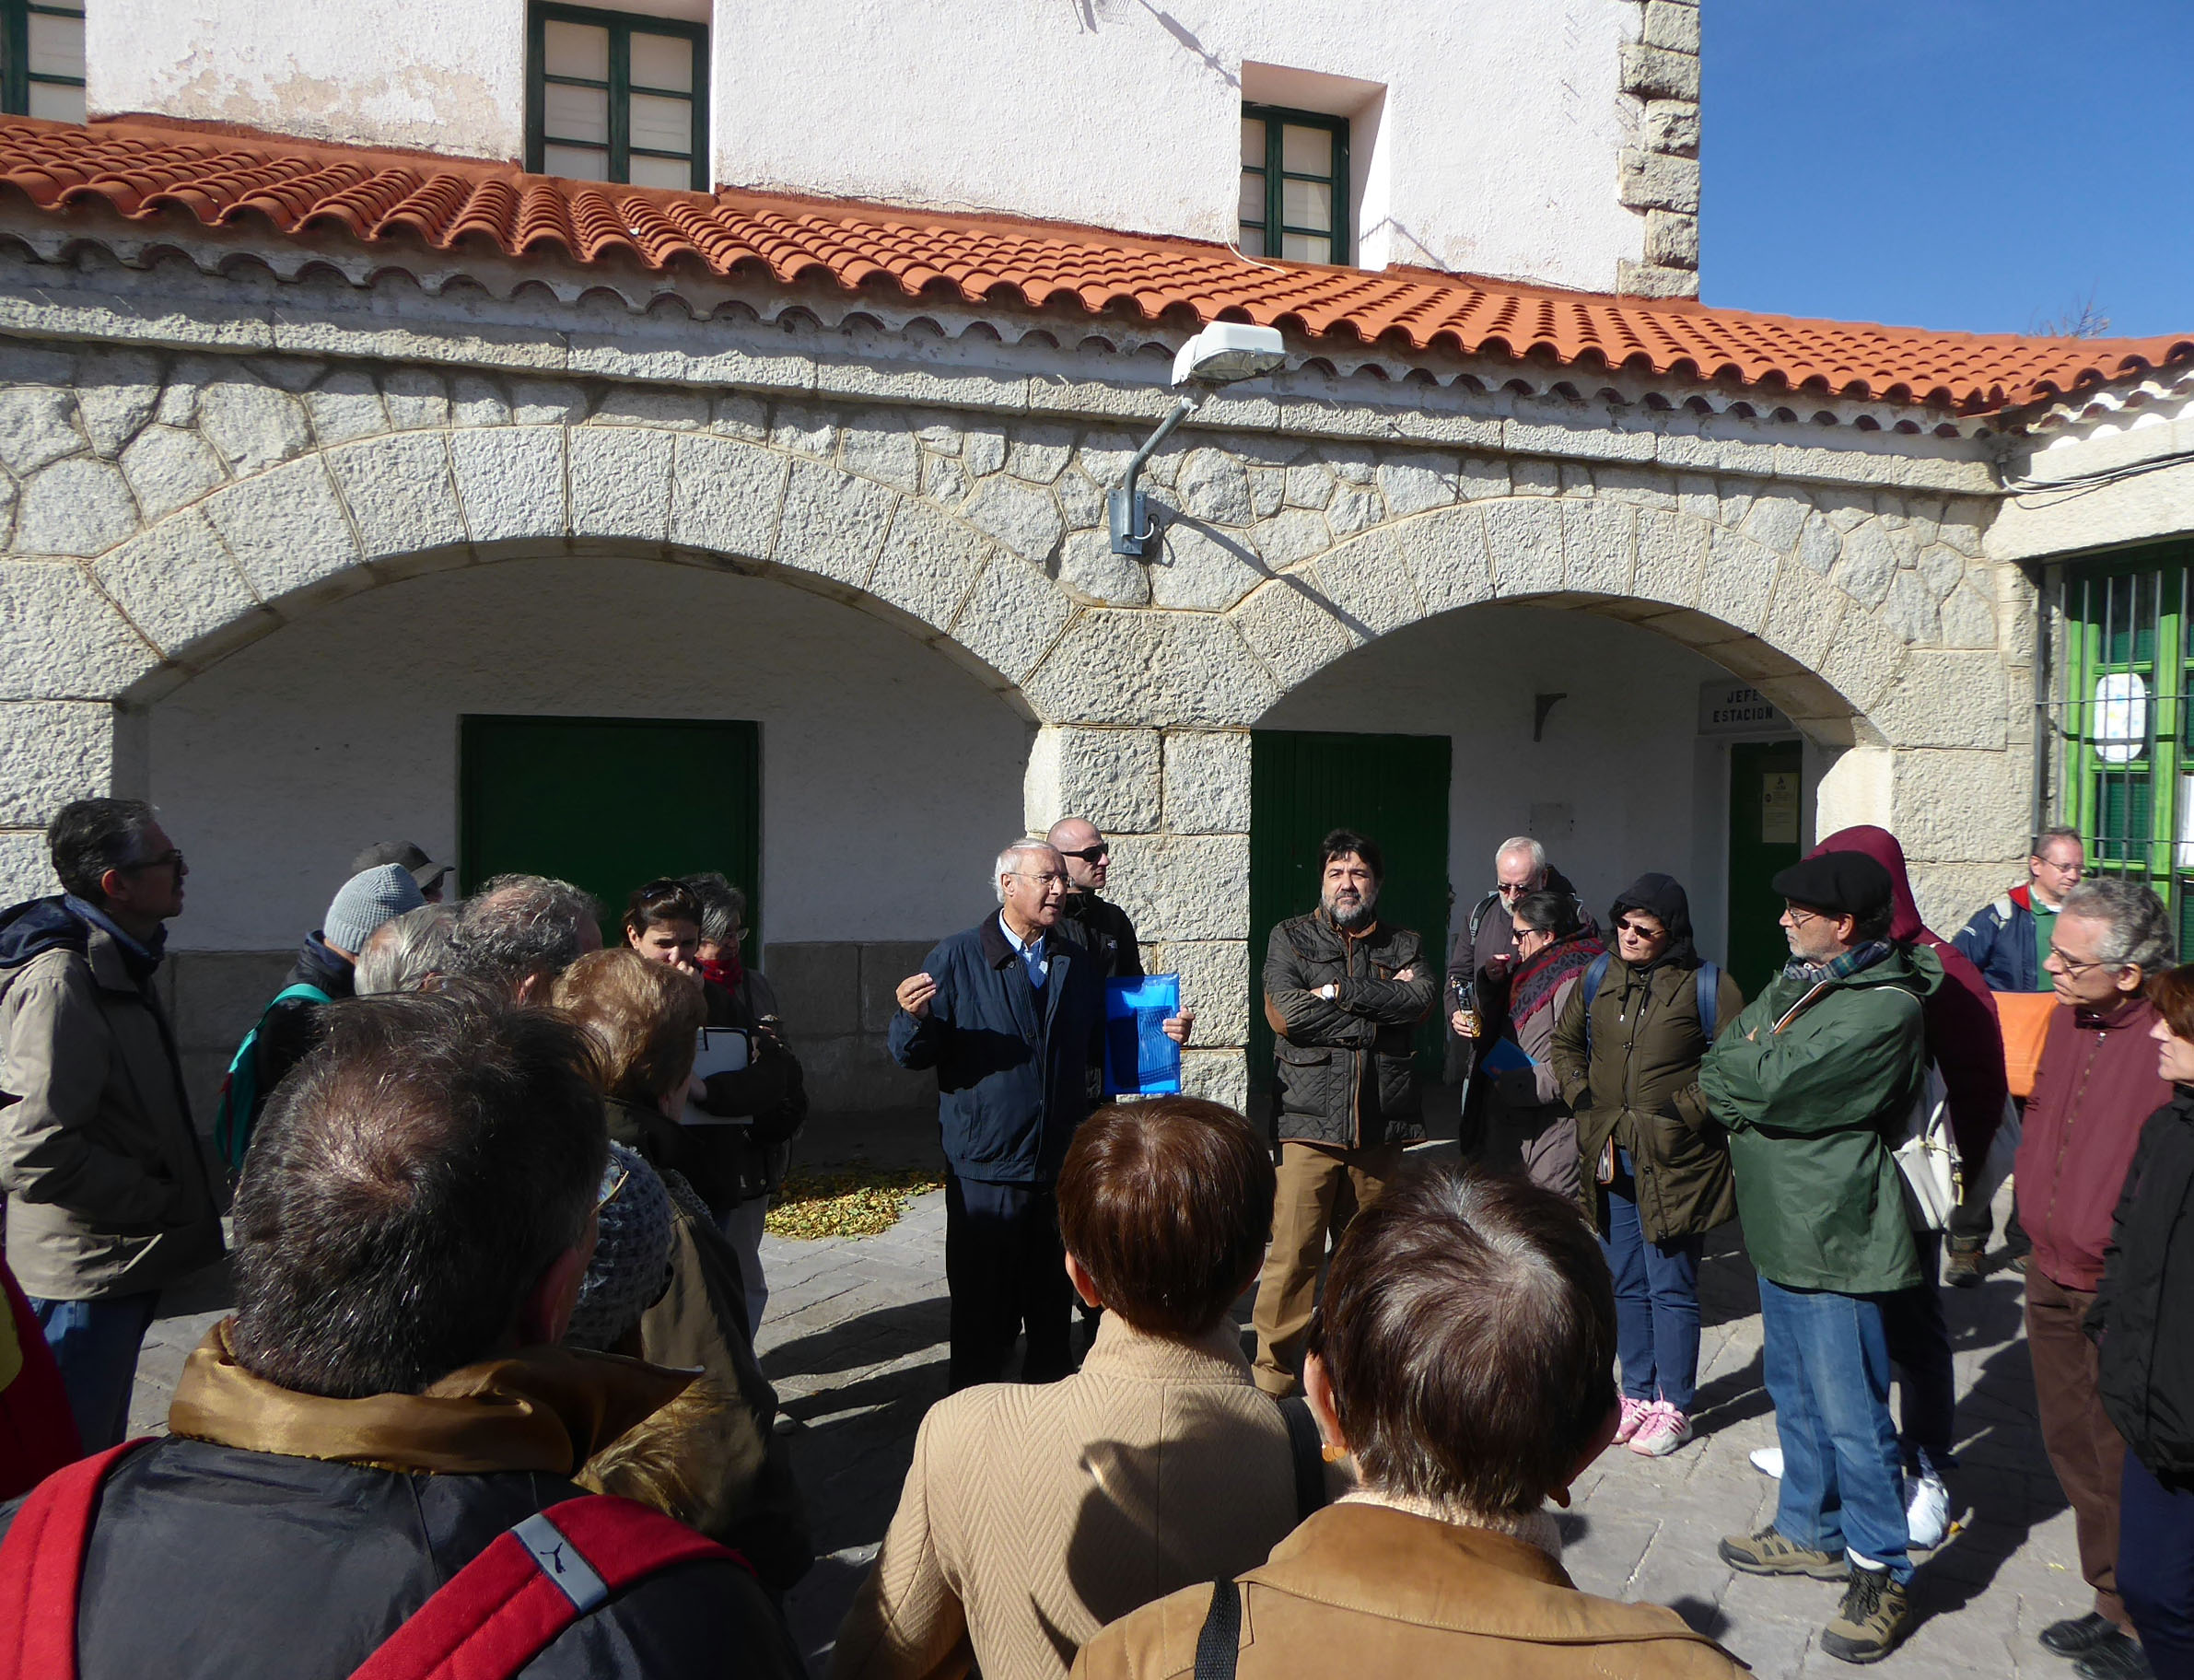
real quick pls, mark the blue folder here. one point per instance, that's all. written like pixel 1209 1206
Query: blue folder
pixel 1139 1059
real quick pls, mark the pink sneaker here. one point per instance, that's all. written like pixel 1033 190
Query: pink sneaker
pixel 1635 1413
pixel 1662 1431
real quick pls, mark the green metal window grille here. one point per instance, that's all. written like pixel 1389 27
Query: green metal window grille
pixel 2125 720
pixel 615 97
pixel 42 59
pixel 1294 184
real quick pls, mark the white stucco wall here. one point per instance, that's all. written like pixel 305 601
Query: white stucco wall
pixel 444 76
pixel 1497 136
pixel 1487 132
pixel 890 777
pixel 1623 751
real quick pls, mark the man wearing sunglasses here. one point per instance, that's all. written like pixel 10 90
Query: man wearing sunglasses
pixel 108 1201
pixel 1097 925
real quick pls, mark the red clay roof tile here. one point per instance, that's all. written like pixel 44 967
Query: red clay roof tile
pixel 141 170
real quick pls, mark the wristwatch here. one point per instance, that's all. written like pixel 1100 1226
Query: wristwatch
pixel 1330 991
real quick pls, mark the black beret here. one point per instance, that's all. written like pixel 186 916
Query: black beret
pixel 1842 883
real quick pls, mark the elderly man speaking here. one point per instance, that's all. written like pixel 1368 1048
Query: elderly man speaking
pixel 1011 1016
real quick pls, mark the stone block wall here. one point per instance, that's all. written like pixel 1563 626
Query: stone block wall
pixel 1660 172
pixel 164 501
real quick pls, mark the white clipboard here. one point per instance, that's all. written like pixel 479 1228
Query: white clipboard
pixel 721 1050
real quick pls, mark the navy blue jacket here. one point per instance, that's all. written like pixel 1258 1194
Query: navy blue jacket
pixel 1999 941
pixel 1016 1067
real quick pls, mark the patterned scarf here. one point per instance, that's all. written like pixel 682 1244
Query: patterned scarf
pixel 1538 979
pixel 1810 974
pixel 726 971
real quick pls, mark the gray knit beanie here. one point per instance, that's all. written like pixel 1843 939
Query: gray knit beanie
pixel 365 902
pixel 631 1267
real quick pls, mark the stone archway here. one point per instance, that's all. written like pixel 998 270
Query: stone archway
pixel 266 549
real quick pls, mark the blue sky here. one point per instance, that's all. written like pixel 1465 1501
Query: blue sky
pixel 1975 164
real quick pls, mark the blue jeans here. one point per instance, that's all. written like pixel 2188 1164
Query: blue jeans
pixel 2155 1567
pixel 1656 1300
pixel 96 1343
pixel 1826 1359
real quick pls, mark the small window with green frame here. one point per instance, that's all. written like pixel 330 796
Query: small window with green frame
pixel 617 97
pixel 42 59
pixel 1294 184
pixel 2125 726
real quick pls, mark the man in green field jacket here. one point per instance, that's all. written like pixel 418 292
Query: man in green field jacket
pixel 1816 1084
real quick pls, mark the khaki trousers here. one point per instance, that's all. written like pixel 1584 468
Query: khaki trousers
pixel 1321 1189
pixel 2084 1447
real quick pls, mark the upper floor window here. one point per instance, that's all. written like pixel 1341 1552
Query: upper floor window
pixel 617 97
pixel 1294 184
pixel 42 59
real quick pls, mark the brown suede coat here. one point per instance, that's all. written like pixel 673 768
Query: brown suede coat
pixel 1379 1594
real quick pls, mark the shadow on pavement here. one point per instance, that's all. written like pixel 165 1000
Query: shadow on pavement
pixel 874 1337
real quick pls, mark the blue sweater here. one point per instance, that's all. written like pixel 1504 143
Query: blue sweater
pixel 1016 1067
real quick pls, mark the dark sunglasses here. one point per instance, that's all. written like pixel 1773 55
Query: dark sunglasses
pixel 1090 854
pixel 1635 931
pixel 165 860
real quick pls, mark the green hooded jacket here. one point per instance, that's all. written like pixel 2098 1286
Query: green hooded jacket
pixel 1813 1114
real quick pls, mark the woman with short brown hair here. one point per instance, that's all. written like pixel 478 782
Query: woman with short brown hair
pixel 1034 1515
pixel 1462 1359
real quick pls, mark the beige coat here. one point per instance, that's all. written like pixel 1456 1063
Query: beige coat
pixel 107 1189
pixel 1034 1515
pixel 1372 1593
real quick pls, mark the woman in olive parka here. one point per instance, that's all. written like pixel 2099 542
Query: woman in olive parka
pixel 1655 1166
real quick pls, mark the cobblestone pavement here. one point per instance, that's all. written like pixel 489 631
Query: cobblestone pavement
pixel 854 1341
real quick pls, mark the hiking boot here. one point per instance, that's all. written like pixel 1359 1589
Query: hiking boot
pixel 1663 1430
pixel 1876 1613
pixel 2113 1657
pixel 1962 1269
pixel 1771 1553
pixel 1634 1416
pixel 2078 1635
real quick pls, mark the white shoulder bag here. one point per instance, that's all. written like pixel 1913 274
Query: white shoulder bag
pixel 1928 1157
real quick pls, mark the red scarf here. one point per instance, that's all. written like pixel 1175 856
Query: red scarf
pixel 726 971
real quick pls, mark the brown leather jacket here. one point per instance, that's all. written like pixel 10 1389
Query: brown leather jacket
pixel 1344 1064
pixel 1380 1594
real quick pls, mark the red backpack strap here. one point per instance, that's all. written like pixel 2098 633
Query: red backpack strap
pixel 504 1608
pixel 41 1570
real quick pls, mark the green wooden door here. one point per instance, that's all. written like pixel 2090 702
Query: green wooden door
pixel 609 803
pixel 1765 792
pixel 1391 789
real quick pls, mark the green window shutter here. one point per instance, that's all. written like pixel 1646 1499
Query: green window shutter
pixel 42 59
pixel 2124 719
pixel 617 97
pixel 610 803
pixel 1391 788
pixel 1294 184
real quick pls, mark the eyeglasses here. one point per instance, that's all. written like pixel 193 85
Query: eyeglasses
pixel 611 1195
pixel 1090 853
pixel 172 858
pixel 2070 967
pixel 1045 879
pixel 1639 931
pixel 1516 891
pixel 1798 918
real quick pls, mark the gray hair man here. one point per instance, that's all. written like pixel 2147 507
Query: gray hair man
pixel 2007 938
pixel 408 952
pixel 1011 1018
pixel 109 1200
pixel 2097 1084
pixel 1481 957
pixel 519 932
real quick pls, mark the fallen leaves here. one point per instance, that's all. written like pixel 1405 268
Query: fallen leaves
pixel 846 1202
